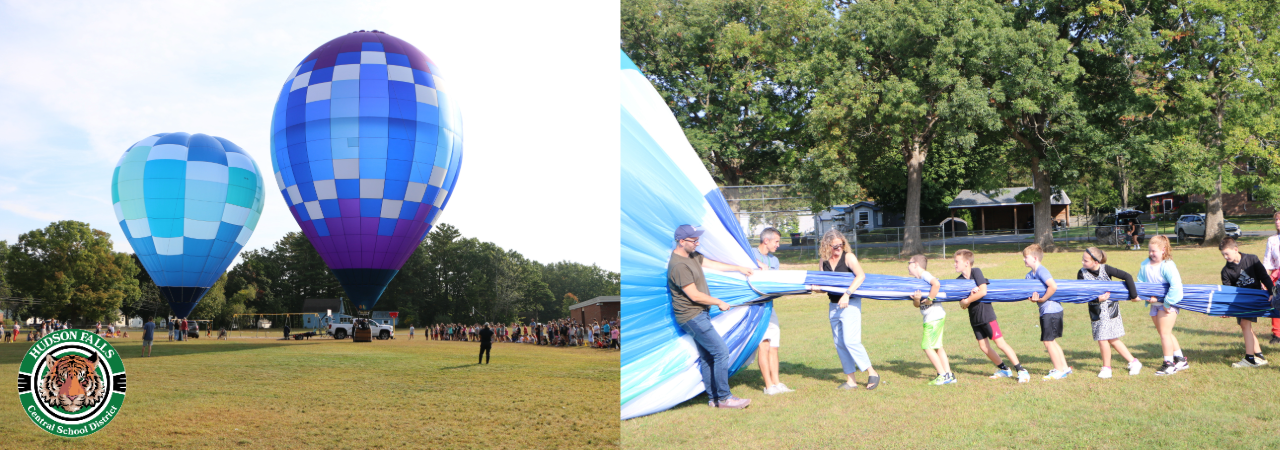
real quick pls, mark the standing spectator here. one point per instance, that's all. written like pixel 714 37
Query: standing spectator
pixel 410 332
pixel 182 330
pixel 486 343
pixel 617 339
pixel 148 335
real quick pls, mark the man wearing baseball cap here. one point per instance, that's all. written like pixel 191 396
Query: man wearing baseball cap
pixel 691 301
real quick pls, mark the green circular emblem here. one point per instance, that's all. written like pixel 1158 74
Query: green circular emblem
pixel 71 383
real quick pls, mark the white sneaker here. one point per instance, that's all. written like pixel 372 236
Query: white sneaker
pixel 782 388
pixel 1135 367
pixel 770 390
pixel 1024 376
pixel 1246 363
pixel 1104 373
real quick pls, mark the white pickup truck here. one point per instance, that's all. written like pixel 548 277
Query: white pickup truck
pixel 341 329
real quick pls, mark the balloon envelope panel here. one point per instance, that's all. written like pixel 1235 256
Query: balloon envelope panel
pixel 366 147
pixel 187 204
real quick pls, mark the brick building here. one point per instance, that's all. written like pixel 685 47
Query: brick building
pixel 600 308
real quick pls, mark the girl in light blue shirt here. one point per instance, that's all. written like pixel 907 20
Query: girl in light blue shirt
pixel 1159 268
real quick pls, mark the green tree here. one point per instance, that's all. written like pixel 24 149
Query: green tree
pixel 733 74
pixel 73 271
pixel 906 90
pixel 1213 77
pixel 214 301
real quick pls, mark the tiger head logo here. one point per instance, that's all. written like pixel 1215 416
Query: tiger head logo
pixel 72 383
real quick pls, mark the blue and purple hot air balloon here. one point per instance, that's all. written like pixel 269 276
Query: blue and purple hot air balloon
pixel 366 144
pixel 187 204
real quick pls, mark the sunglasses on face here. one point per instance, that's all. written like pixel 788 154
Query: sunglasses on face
pixel 692 240
pixel 837 245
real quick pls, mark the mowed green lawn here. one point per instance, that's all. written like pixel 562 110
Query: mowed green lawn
pixel 1209 406
pixel 266 393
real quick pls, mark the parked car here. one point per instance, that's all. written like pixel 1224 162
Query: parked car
pixel 1113 228
pixel 1192 225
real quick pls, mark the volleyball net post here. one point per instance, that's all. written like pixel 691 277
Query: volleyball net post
pixel 266 325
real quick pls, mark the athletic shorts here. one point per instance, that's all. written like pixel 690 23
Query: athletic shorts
pixel 772 333
pixel 1155 309
pixel 146 342
pixel 933 334
pixel 1240 320
pixel 987 331
pixel 1050 326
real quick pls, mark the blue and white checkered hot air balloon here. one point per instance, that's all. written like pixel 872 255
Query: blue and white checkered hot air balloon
pixel 187 203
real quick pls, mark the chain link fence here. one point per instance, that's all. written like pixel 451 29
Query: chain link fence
pixel 937 241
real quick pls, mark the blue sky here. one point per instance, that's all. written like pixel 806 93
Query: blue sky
pixel 536 81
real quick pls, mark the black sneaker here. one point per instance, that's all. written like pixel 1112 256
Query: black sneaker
pixel 1166 369
pixel 1181 363
pixel 1275 340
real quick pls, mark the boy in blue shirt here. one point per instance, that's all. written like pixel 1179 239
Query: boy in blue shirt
pixel 1050 311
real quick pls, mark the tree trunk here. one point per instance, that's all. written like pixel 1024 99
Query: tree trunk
pixel 1043 209
pixel 1124 183
pixel 914 155
pixel 1214 228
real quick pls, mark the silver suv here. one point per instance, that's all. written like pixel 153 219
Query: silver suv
pixel 1192 225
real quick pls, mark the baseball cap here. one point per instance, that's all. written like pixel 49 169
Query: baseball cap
pixel 687 231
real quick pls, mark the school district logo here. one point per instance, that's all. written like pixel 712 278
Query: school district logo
pixel 71 383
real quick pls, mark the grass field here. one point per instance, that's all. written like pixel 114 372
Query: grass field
pixel 1210 406
pixel 266 393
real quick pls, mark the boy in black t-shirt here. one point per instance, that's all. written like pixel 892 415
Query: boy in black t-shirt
pixel 982 317
pixel 1245 271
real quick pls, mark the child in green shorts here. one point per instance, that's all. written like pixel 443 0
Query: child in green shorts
pixel 934 319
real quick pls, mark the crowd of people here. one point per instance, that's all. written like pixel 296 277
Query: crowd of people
pixel 559 333
pixel 38 330
pixel 691 301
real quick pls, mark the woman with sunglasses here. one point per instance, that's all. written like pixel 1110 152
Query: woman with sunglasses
pixel 845 312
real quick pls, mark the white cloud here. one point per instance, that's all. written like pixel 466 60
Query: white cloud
pixel 536 81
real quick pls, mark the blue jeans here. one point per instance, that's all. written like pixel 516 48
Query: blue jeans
pixel 714 355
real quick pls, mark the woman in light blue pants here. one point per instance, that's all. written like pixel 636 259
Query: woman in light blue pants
pixel 845 313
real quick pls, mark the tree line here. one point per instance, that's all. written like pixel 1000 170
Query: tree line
pixel 72 274
pixel 853 100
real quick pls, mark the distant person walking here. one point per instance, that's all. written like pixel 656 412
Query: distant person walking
pixel 148 334
pixel 486 343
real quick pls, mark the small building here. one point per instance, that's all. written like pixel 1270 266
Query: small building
pixel 313 309
pixel 601 308
pixel 385 317
pixel 1000 209
pixel 1167 202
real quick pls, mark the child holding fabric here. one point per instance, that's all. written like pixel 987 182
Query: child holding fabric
pixel 1050 312
pixel 982 318
pixel 1245 271
pixel 1104 313
pixel 934 321
pixel 1159 268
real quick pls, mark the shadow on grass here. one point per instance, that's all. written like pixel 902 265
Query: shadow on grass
pixel 464 366
pixel 179 349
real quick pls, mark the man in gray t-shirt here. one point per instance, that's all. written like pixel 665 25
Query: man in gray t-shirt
pixel 690 302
